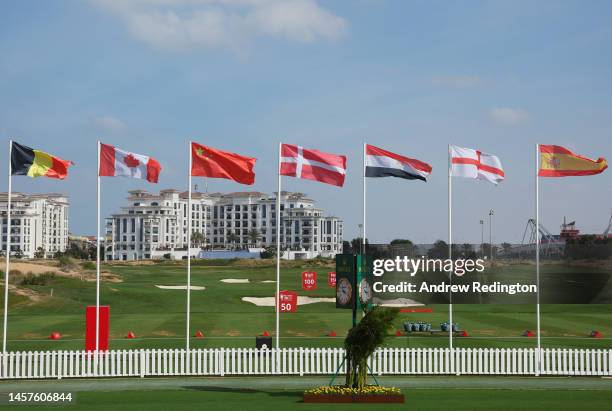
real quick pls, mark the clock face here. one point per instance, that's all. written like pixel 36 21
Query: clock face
pixel 344 291
pixel 365 291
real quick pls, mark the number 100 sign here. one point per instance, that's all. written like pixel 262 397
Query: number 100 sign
pixel 309 280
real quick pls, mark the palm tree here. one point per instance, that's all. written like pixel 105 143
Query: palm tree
pixel 197 238
pixel 253 236
pixel 232 238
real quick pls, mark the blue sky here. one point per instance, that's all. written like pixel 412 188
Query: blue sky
pixel 242 75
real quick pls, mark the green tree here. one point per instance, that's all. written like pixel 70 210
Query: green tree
pixel 401 241
pixel 363 339
pixel 468 251
pixel 232 238
pixel 39 253
pixel 357 246
pixel 268 252
pixel 254 236
pixel 197 239
pixel 440 250
pixel 407 246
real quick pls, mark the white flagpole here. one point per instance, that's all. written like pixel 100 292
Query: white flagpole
pixel 450 248
pixel 8 246
pixel 537 219
pixel 278 249
pixel 98 257
pixel 188 252
pixel 363 239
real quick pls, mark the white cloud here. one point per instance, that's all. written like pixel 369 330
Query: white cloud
pixel 107 123
pixel 193 24
pixel 457 81
pixel 509 116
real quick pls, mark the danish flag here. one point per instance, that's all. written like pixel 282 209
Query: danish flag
pixel 300 162
pixel 466 162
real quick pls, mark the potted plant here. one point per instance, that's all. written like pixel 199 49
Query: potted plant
pixel 360 343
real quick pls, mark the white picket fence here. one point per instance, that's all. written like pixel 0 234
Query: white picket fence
pixel 302 361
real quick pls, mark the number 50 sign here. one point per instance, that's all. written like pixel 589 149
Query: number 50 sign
pixel 287 301
pixel 309 280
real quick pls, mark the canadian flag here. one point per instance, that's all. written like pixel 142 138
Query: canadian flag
pixel 300 162
pixel 116 162
pixel 466 162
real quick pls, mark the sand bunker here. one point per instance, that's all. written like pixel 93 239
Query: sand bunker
pixel 269 301
pixel 180 287
pixel 235 280
pixel 396 302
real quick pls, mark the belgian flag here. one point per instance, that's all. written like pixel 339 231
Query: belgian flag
pixel 35 163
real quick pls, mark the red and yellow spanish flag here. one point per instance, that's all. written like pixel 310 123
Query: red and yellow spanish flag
pixel 35 163
pixel 557 161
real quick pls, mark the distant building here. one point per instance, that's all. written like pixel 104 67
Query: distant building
pixel 39 222
pixel 155 225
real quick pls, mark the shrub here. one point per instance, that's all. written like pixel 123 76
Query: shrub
pixel 268 252
pixel 88 265
pixel 66 263
pixel 37 279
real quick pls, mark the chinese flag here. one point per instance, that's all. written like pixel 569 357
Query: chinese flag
pixel 210 162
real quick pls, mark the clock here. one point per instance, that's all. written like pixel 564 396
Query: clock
pixel 365 292
pixel 344 291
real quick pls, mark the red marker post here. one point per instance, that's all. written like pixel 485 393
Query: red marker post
pixel 309 280
pixel 288 301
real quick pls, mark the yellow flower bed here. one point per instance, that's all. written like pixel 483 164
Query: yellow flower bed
pixel 342 390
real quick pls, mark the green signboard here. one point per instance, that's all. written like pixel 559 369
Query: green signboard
pixel 353 281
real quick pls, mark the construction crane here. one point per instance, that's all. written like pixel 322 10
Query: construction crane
pixel 546 236
pixel 550 245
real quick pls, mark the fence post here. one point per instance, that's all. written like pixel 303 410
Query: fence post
pixel 142 363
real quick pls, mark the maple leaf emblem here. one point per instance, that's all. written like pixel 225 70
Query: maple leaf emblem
pixel 131 161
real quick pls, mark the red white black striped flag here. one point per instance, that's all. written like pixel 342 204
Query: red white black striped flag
pixel 383 163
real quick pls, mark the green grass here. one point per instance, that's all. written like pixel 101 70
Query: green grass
pixel 157 316
pixel 421 393
pixel 223 399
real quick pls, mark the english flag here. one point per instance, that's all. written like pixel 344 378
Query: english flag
pixel 469 163
pixel 210 162
pixel 300 162
pixel 115 162
pixel 383 163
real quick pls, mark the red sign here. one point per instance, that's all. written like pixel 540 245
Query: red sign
pixel 288 301
pixel 90 328
pixel 309 280
pixel 331 279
